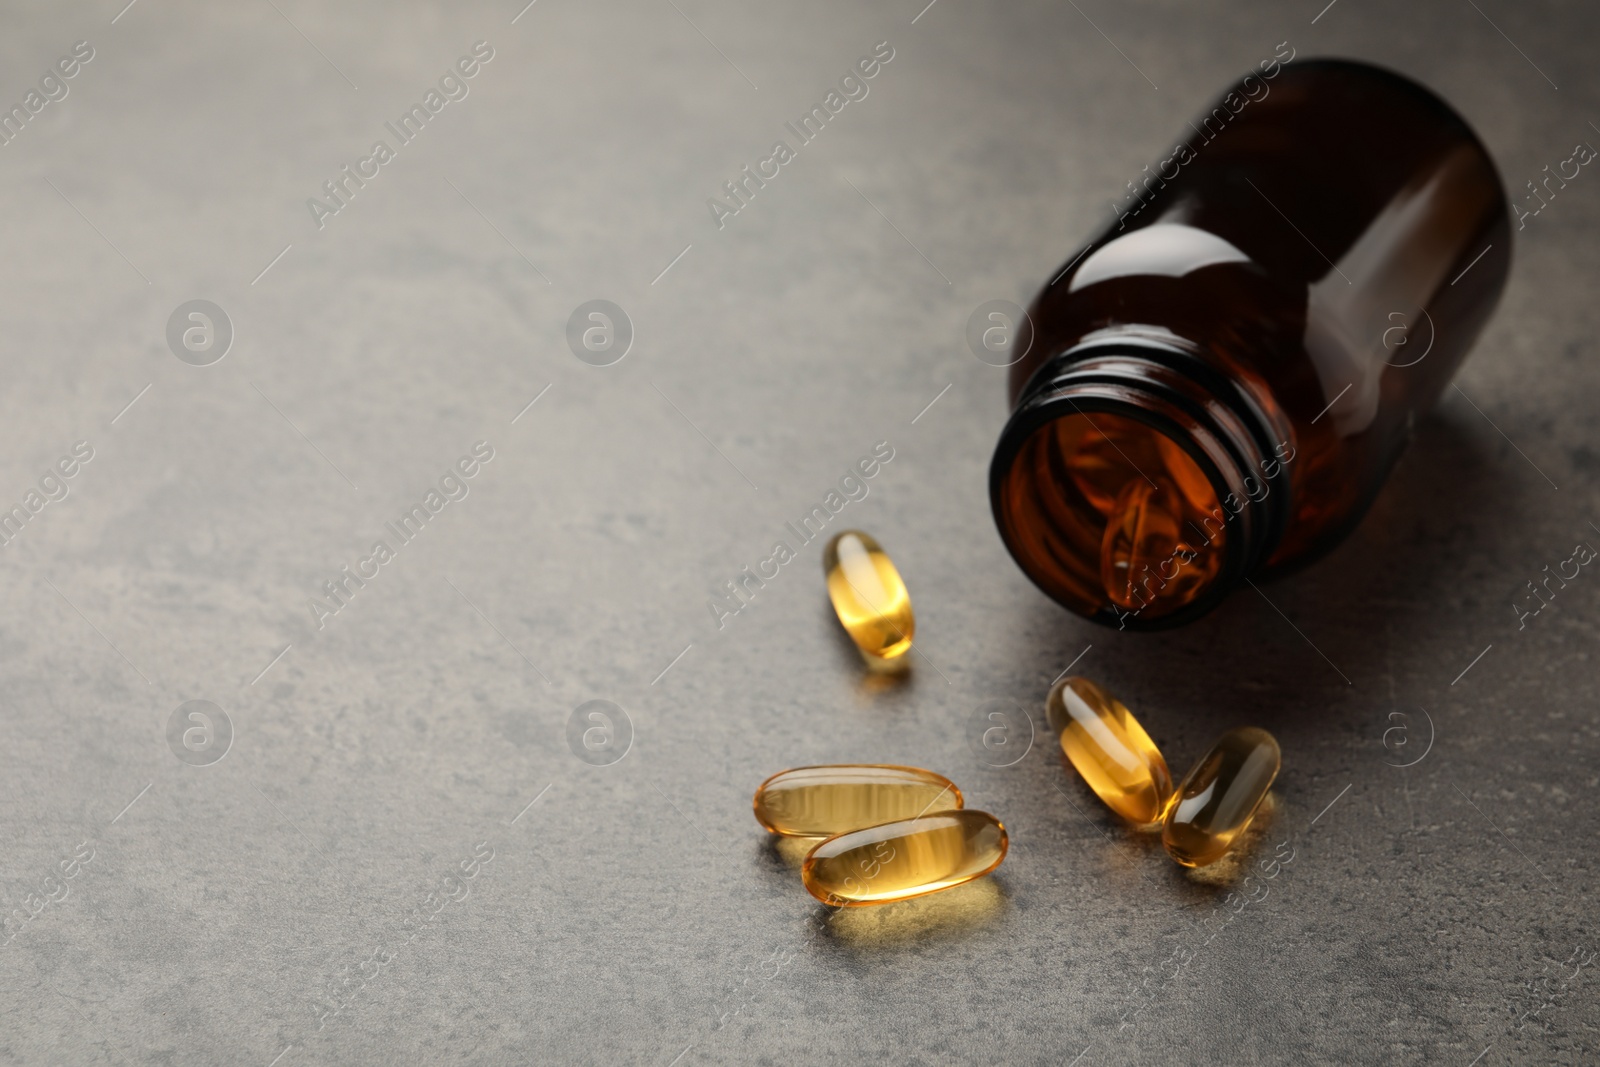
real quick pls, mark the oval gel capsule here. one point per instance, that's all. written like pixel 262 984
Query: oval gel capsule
pixel 900 860
pixel 1217 799
pixel 1110 750
pixel 828 800
pixel 868 595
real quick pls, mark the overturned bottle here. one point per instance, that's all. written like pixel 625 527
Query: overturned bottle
pixel 1217 386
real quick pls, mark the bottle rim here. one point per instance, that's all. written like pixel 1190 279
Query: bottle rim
pixel 1195 407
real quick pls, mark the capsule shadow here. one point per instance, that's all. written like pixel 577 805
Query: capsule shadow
pixel 873 676
pixel 789 852
pixel 949 913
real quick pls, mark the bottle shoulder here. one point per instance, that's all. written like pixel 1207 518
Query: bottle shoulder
pixel 1176 284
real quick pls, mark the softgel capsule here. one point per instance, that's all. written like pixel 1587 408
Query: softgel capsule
pixel 1108 747
pixel 1217 800
pixel 828 800
pixel 869 596
pixel 901 860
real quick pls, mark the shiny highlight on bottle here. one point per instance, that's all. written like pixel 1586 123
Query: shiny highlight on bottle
pixel 905 859
pixel 834 799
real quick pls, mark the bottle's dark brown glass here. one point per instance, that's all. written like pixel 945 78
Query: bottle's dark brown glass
pixel 1217 385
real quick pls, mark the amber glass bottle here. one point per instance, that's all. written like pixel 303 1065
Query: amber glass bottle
pixel 1216 387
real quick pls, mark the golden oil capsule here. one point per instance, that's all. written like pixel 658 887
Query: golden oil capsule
pixel 868 595
pixel 1143 538
pixel 901 860
pixel 828 800
pixel 1219 796
pixel 1110 750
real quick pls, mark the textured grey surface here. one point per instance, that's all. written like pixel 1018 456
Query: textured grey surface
pixel 635 913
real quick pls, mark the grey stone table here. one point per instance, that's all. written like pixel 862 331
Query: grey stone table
pixel 375 841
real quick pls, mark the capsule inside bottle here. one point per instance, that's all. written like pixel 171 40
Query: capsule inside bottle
pixel 901 860
pixel 1109 748
pixel 827 800
pixel 1116 515
pixel 869 596
pixel 1217 798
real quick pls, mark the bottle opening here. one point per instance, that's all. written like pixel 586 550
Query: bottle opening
pixel 1135 485
pixel 1115 516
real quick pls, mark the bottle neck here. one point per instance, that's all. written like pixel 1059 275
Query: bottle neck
pixel 1136 484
